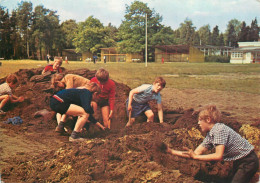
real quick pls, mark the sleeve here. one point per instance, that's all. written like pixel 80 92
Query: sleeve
pixel 206 143
pixel 111 96
pixel 142 88
pixel 86 97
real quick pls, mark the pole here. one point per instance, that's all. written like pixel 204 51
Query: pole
pixel 145 40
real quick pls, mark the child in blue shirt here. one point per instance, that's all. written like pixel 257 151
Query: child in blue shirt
pixel 139 97
pixel 229 146
pixel 76 102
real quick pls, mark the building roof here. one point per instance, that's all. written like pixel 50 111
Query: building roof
pixel 247 49
pixel 213 47
pixel 174 48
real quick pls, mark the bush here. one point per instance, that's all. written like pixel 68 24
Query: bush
pixel 217 58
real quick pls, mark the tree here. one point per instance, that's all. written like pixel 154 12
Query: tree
pixel 69 28
pixel 215 36
pixel 24 16
pixel 232 32
pixel 163 37
pixel 204 33
pixel 15 36
pixel 243 35
pixel 254 31
pixel 187 31
pixel 90 36
pixel 5 31
pixel 132 30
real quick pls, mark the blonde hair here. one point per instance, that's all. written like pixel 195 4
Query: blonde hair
pixel 210 111
pixel 93 87
pixel 102 75
pixel 11 79
pixel 55 78
pixel 58 59
pixel 161 81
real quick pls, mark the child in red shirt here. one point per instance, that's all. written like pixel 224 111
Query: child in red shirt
pixel 106 99
pixel 55 66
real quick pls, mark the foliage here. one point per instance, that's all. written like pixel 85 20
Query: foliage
pixel 204 33
pixel 187 31
pixel 69 28
pixel 217 58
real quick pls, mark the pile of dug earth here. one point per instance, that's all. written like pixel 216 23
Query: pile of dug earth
pixel 122 154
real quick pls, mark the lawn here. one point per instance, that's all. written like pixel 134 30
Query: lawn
pixel 217 76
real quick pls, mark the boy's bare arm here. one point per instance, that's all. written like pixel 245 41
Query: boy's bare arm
pixel 131 94
pixel 160 112
pixel 217 156
pixel 100 126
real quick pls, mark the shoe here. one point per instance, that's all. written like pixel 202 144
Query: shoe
pixel 59 130
pixel 76 140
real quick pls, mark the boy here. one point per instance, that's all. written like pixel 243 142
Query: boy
pixel 229 146
pixel 106 99
pixel 76 102
pixel 55 67
pixel 6 92
pixel 139 97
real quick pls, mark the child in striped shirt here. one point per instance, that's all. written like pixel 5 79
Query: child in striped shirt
pixel 229 146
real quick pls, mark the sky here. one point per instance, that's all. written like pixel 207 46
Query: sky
pixel 174 12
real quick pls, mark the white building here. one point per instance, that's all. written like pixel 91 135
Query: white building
pixel 246 53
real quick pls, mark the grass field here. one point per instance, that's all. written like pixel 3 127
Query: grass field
pixel 217 76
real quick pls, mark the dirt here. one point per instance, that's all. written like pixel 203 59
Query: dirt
pixel 33 152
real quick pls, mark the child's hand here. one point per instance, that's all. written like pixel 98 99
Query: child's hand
pixel 21 99
pixel 129 108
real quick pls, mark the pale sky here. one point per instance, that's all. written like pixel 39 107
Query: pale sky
pixel 174 12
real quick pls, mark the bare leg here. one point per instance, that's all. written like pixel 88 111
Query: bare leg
pixel 4 99
pixel 105 115
pixel 150 116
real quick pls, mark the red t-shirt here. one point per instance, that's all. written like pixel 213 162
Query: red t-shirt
pixel 50 68
pixel 108 91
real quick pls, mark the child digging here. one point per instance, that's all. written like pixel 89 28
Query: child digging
pixel 106 99
pixel 229 146
pixel 76 102
pixel 55 67
pixel 6 92
pixel 139 97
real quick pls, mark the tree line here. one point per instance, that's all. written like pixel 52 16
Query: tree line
pixel 32 33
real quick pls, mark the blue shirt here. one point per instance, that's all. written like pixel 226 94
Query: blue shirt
pixel 236 147
pixel 146 94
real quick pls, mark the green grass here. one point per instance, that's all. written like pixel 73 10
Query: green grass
pixel 217 76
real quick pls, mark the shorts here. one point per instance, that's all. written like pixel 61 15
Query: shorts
pixel 137 109
pixel 103 102
pixel 59 107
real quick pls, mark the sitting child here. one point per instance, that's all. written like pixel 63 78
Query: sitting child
pixel 106 99
pixel 139 97
pixel 6 92
pixel 55 67
pixel 76 102
pixel 229 146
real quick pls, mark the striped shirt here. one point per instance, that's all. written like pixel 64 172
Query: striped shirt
pixel 236 147
pixel 5 89
pixel 146 94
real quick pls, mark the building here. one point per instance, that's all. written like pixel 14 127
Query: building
pixel 111 55
pixel 209 50
pixel 178 53
pixel 247 52
pixel 71 54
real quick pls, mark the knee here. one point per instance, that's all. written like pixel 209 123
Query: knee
pixel 150 115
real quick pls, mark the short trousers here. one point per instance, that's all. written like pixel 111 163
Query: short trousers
pixel 245 168
pixel 137 109
pixel 59 107
pixel 103 102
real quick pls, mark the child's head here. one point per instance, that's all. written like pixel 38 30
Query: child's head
pixel 102 75
pixel 159 83
pixel 211 113
pixel 57 62
pixel 56 81
pixel 93 88
pixel 12 80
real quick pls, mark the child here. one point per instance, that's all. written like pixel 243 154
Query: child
pixel 68 81
pixel 139 98
pixel 106 99
pixel 59 82
pixel 76 102
pixel 55 67
pixel 6 92
pixel 229 146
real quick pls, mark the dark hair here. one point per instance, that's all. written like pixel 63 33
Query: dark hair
pixel 11 79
